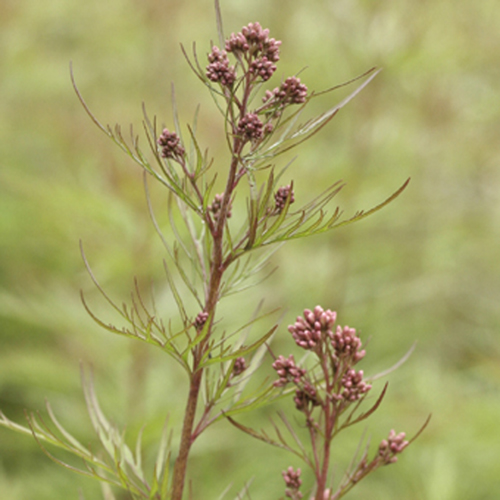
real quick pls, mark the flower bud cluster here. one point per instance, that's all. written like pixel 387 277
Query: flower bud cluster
pixel 313 328
pixel 216 207
pixel 171 146
pixel 306 397
pixel 347 344
pixel 239 367
pixel 337 352
pixel 354 385
pixel 262 68
pixel 253 41
pixel 250 127
pixel 200 320
pixel 219 70
pixel 287 371
pixel 291 91
pixel 293 483
pixel 390 447
pixel 253 44
pixel 281 196
pixel 256 55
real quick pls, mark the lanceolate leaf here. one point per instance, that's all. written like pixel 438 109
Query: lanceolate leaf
pixel 362 214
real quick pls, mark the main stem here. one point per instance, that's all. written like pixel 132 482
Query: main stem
pixel 186 441
pixel 321 481
pixel 216 271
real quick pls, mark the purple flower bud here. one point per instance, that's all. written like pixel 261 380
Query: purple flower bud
pixel 287 370
pixel 255 34
pixel 253 41
pixel 216 207
pixel 313 328
pixel 392 446
pixel 219 70
pixel 268 128
pixel 200 320
pixel 237 43
pixel 354 385
pixel 262 68
pixel 291 91
pixel 306 397
pixel 250 127
pixel 293 483
pixel 281 196
pixel 239 366
pixel 170 145
pixel 272 50
pixel 347 344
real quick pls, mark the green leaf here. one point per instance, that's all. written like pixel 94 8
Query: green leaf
pixel 361 215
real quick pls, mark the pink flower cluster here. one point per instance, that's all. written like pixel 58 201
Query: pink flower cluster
pixel 216 206
pixel 293 483
pixel 253 44
pixel 354 385
pixel 325 391
pixel 306 397
pixel 287 371
pixel 281 196
pixel 390 447
pixel 219 70
pixel 250 127
pixel 262 68
pixel 291 91
pixel 347 344
pixel 338 351
pixel 253 41
pixel 313 328
pixel 239 367
pixel 171 146
pixel 200 320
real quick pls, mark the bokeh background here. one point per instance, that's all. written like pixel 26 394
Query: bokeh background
pixel 426 269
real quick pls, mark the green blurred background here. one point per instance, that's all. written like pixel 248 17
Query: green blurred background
pixel 425 269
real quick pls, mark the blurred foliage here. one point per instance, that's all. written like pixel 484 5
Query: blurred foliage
pixel 425 269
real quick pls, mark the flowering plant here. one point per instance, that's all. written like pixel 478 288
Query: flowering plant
pixel 258 127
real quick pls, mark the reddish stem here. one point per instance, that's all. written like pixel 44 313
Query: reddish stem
pixel 186 438
pixel 217 269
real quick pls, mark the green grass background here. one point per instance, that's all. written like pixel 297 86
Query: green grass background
pixel 425 269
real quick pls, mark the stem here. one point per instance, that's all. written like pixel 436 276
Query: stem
pixel 324 469
pixel 216 271
pixel 329 425
pixel 186 438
